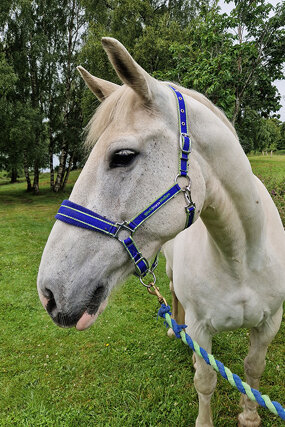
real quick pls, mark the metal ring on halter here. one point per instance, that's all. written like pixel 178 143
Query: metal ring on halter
pixel 149 285
pixel 123 227
pixel 187 187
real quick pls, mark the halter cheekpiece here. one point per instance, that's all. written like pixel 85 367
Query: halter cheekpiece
pixel 74 214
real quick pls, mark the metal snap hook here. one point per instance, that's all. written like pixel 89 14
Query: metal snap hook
pixel 154 290
pixel 188 198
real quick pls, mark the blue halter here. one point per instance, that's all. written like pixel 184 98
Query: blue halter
pixel 77 215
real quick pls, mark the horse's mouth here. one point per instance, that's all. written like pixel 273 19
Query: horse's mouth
pixel 96 306
pixel 84 318
pixel 87 319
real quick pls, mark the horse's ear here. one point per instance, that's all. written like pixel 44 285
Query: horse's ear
pixel 101 88
pixel 128 70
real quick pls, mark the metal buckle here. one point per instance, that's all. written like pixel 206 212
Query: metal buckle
pixel 123 226
pixel 142 258
pixel 183 135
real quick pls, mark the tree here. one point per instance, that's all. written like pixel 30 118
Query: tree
pixel 203 61
pixel 281 142
pixel 41 40
pixel 259 55
pixel 146 27
pixel 234 60
pixel 10 157
pixel 24 47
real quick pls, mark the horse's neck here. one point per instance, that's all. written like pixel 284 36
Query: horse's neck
pixel 235 222
pixel 232 212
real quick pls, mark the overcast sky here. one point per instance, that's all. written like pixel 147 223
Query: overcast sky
pixel 280 84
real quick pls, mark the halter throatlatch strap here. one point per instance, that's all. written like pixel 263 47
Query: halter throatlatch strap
pixel 185 140
pixel 74 214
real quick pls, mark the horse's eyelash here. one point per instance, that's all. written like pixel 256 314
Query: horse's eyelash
pixel 122 158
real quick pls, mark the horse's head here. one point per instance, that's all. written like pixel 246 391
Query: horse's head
pixel 133 162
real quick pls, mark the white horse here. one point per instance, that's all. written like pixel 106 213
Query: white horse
pixel 226 270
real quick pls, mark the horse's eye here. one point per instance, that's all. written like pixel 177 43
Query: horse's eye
pixel 122 158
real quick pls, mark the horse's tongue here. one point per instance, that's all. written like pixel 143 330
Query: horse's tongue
pixel 86 320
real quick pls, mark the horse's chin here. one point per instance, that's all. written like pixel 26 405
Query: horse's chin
pixel 87 319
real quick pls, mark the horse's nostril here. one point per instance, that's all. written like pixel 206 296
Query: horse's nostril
pixel 51 305
pixel 48 294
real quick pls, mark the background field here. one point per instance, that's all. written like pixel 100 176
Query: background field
pixel 123 371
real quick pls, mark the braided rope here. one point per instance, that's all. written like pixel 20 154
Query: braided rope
pixel 234 380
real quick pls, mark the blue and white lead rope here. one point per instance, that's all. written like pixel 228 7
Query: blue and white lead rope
pixel 234 380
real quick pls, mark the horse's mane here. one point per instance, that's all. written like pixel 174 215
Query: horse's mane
pixel 120 104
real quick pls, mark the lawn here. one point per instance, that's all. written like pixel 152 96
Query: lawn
pixel 123 371
pixel 271 171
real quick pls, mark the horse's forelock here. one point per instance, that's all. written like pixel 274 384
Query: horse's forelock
pixel 118 107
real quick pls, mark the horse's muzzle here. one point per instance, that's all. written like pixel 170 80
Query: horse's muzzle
pixel 82 318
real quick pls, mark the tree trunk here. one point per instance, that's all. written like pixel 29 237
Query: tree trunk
pixel 64 148
pixel 237 110
pixel 67 172
pixel 64 171
pixel 61 169
pixel 73 32
pixel 239 67
pixel 14 175
pixel 36 178
pixel 50 150
pixel 51 171
pixel 35 98
pixel 27 175
pixel 51 167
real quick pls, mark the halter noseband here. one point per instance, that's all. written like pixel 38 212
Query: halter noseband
pixel 77 215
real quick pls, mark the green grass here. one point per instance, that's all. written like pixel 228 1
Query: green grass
pixel 271 171
pixel 123 371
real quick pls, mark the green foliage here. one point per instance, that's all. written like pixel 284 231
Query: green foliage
pixel 203 61
pixel 234 60
pixel 7 77
pixel 9 156
pixel 260 56
pixel 146 27
pixel 260 134
pixel 41 41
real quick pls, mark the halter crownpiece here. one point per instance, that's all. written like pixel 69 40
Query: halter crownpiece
pixel 77 215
